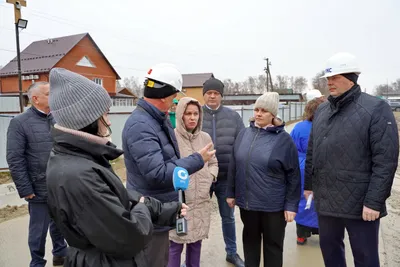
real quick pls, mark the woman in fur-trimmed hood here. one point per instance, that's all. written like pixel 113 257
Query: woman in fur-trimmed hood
pixel 190 137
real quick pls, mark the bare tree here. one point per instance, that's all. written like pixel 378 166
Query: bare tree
pixel 282 82
pixel 320 83
pixel 252 84
pixel 261 84
pixel 258 84
pixel 231 87
pixel 133 85
pixel 299 84
pixel 396 85
pixel 388 88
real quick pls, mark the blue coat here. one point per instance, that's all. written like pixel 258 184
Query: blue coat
pixel 300 135
pixel 223 125
pixel 264 172
pixel 151 153
pixel 29 144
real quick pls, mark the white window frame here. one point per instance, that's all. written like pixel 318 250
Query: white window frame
pixel 88 62
pixel 98 81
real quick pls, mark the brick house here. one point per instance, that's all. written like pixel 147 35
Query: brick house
pixel 78 53
pixel 193 85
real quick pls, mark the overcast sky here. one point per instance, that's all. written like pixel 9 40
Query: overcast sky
pixel 227 37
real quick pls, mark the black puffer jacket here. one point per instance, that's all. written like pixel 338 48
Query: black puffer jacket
pixel 29 144
pixel 223 125
pixel 103 223
pixel 352 155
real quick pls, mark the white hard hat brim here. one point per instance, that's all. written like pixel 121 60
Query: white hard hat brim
pixel 330 74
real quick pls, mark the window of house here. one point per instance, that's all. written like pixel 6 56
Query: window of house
pixel 85 62
pixel 98 81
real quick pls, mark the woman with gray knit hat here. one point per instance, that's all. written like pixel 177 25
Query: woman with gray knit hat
pixel 264 181
pixel 104 224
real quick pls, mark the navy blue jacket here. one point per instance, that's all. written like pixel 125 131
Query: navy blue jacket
pixel 151 153
pixel 264 172
pixel 352 155
pixel 29 143
pixel 223 125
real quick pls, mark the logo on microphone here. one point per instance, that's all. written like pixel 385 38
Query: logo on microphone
pixel 180 178
pixel 183 174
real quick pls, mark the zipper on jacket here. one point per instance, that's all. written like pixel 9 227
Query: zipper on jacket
pixel 214 130
pixel 247 167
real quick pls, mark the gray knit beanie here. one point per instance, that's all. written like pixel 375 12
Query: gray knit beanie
pixel 75 101
pixel 268 101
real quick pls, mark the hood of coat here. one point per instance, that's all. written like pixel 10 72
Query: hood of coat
pixel 82 146
pixel 180 110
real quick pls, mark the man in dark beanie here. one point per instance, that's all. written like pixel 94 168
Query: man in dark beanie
pixel 152 153
pixel 104 223
pixel 214 85
pixel 223 125
pixel 351 161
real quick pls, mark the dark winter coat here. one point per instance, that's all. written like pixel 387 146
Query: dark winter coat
pixel 223 125
pixel 104 225
pixel 264 170
pixel 352 155
pixel 152 153
pixel 29 144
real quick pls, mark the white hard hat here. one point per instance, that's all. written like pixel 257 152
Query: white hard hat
pixel 313 94
pixel 341 63
pixel 166 73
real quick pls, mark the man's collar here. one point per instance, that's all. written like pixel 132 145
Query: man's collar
pixel 212 108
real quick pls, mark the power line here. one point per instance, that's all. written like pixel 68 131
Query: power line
pixel 68 22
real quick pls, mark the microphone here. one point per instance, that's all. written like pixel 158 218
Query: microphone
pixel 180 180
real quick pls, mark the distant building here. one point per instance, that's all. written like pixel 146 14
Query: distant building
pixel 193 85
pixel 78 53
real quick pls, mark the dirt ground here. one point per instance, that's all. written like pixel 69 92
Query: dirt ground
pixel 119 168
pixel 5 178
pixel 11 212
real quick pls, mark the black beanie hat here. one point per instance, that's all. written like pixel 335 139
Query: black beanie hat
pixel 213 84
pixel 351 76
pixel 156 90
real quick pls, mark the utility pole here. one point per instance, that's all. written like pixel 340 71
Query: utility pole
pixel 19 23
pixel 269 78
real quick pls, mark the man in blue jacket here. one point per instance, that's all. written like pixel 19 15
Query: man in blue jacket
pixel 29 144
pixel 152 153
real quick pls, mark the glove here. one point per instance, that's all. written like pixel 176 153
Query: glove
pixel 163 214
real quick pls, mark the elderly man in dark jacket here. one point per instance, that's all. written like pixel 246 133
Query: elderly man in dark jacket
pixel 29 144
pixel 152 153
pixel 351 160
pixel 223 125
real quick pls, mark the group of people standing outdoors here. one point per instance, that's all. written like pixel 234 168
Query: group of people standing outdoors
pixel 334 171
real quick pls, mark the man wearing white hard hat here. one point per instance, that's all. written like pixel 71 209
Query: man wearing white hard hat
pixel 152 153
pixel 352 157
